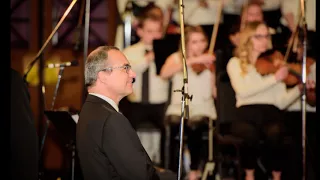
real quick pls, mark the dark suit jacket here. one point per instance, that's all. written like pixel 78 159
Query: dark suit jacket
pixel 108 146
pixel 24 139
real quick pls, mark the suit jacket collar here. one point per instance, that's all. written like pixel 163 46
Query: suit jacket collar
pixel 95 99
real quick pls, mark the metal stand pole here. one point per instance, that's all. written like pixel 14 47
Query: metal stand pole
pixel 86 43
pixel 41 84
pixel 127 24
pixel 185 96
pixel 304 79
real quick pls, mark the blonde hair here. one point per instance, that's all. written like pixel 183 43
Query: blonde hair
pixel 244 49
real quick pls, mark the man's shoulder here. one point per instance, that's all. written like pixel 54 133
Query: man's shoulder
pixel 97 111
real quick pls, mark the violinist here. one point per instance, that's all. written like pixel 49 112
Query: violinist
pixel 201 86
pixel 259 101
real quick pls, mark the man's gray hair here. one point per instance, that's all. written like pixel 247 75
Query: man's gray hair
pixel 96 61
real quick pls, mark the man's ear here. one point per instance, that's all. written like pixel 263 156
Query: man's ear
pixel 102 77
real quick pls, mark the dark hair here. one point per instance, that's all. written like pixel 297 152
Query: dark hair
pixel 234 28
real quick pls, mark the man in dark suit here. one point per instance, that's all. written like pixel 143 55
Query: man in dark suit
pixel 24 159
pixel 107 145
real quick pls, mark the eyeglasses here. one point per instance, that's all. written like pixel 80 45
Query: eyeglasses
pixel 126 67
pixel 260 36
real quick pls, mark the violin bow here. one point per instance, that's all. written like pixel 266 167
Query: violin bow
pixel 215 28
pixel 292 39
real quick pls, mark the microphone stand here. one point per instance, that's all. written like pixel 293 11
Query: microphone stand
pixel 185 96
pixel 61 69
pixel 70 146
pixel 304 78
pixel 86 43
pixel 127 24
pixel 39 54
pixel 49 38
pixel 52 107
pixel 60 72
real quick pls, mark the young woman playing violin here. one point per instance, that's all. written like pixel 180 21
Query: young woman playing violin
pixel 202 107
pixel 259 100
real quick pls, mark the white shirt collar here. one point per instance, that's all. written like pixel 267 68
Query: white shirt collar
pixel 110 101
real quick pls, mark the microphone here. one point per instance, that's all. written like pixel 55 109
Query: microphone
pixel 133 80
pixel 64 64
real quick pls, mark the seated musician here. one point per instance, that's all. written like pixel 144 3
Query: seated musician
pixel 259 100
pixel 202 107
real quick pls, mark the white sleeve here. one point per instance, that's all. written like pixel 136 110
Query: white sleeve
pixel 244 85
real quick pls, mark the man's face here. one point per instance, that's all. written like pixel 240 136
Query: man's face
pixel 150 31
pixel 119 79
pixel 254 13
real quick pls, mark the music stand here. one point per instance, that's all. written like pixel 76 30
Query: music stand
pixel 66 126
pixel 163 48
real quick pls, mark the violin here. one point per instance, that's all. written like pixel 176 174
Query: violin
pixel 270 61
pixel 199 68
pixel 267 64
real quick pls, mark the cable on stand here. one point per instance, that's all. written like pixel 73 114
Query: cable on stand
pixel 185 96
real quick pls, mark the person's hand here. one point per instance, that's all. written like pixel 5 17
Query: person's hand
pixel 310 84
pixel 149 56
pixel 206 59
pixel 281 73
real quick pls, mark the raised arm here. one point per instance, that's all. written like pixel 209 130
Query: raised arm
pixel 213 85
pixel 289 9
pixel 173 64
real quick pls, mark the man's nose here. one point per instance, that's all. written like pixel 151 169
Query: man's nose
pixel 132 74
